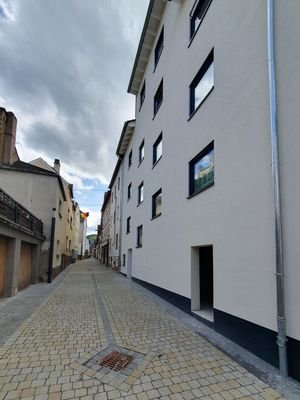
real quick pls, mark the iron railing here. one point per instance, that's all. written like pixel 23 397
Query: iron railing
pixel 14 212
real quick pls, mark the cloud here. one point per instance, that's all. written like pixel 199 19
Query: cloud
pixel 64 71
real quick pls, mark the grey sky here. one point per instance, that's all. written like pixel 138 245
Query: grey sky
pixel 64 70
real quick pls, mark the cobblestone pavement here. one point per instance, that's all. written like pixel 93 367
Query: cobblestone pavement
pixel 56 352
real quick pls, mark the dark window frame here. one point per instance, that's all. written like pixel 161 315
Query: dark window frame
pixel 142 151
pixel 154 197
pixel 192 191
pixel 124 260
pixel 129 191
pixel 130 159
pixel 142 94
pixel 209 61
pixel 128 224
pixel 140 193
pixel 198 11
pixel 139 236
pixel 158 98
pixel 155 159
pixel 159 48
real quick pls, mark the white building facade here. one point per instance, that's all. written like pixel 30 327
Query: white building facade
pixel 197 211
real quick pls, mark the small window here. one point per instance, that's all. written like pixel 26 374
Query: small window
pixel 124 260
pixel 118 183
pixel 141 193
pixel 117 241
pixel 201 170
pixel 157 149
pixel 202 84
pixel 142 151
pixel 130 159
pixel 129 191
pixel 158 98
pixel 128 225
pixel 197 15
pixel 142 94
pixel 156 204
pixel 139 241
pixel 159 47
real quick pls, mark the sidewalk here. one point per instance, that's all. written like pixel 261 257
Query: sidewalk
pixel 91 315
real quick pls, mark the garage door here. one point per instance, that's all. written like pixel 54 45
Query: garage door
pixel 25 266
pixel 3 253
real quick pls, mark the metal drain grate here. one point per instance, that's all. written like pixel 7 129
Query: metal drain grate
pixel 116 361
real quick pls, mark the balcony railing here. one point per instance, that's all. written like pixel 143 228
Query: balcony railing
pixel 12 211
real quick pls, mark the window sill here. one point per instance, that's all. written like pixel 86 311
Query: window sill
pixel 156 162
pixel 138 247
pixel 156 111
pixel 200 191
pixel 156 216
pixel 141 162
pixel 140 203
pixel 194 112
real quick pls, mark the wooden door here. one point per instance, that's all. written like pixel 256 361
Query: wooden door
pixel 3 253
pixel 25 266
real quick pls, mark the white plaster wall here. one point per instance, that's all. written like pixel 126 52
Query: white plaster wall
pixel 115 226
pixel 235 215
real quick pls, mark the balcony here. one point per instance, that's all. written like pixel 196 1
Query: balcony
pixel 14 214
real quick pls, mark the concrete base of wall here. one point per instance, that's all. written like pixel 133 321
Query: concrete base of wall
pixel 257 339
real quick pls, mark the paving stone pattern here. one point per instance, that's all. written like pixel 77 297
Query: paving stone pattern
pixel 54 353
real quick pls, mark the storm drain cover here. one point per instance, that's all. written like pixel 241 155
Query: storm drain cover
pixel 116 361
pixel 114 365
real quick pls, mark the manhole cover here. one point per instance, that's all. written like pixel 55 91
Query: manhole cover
pixel 116 361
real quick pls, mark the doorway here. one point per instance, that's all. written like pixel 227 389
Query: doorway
pixel 202 293
pixel 129 263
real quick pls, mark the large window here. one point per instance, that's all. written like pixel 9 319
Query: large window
pixel 201 170
pixel 129 191
pixel 156 204
pixel 157 149
pixel 128 225
pixel 142 94
pixel 142 151
pixel 141 193
pixel 197 14
pixel 139 241
pixel 202 84
pixel 158 98
pixel 159 47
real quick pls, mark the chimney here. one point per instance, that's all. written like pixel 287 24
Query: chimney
pixel 57 166
pixel 8 129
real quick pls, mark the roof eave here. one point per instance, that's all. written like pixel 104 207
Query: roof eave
pixel 153 17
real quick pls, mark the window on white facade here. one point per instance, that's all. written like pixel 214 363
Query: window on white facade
pixel 142 151
pixel 202 84
pixel 158 98
pixel 157 149
pixel 156 204
pixel 159 47
pixel 141 193
pixel 201 170
pixel 139 242
pixel 197 15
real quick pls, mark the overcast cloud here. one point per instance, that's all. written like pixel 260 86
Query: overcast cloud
pixel 64 71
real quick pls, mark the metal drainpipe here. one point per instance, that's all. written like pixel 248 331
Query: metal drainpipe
pixel 281 320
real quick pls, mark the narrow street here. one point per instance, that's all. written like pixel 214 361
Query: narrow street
pixel 91 312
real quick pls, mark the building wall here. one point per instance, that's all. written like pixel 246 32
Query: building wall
pixel 115 218
pixel 39 194
pixel 235 215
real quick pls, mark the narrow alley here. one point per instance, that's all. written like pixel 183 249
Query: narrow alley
pixel 94 318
